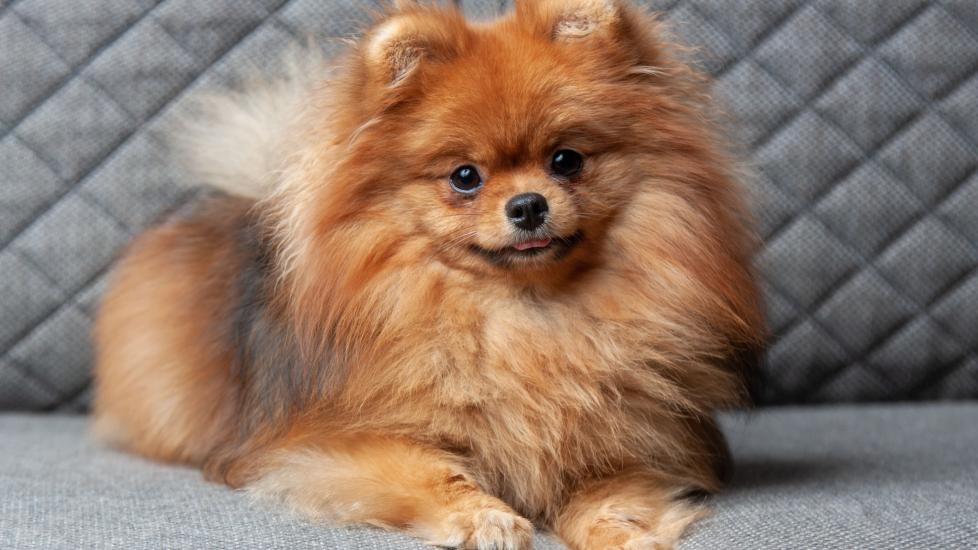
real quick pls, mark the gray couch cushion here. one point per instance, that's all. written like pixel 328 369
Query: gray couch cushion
pixel 859 116
pixel 850 477
pixel 60 490
pixel 883 477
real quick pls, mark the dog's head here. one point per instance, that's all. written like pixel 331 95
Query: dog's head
pixel 508 146
pixel 562 149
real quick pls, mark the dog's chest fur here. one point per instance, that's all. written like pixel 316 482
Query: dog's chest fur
pixel 538 394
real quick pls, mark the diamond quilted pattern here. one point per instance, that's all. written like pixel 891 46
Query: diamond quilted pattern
pixel 137 185
pixel 958 311
pixel 907 360
pixel 935 52
pixel 97 125
pixel 860 117
pixel 930 157
pixel 885 207
pixel 812 352
pixel 311 16
pixel 959 109
pixel 70 258
pixel 20 388
pixel 775 207
pixel 808 156
pixel 958 211
pixel 25 58
pixel 743 85
pixel 859 329
pixel 809 261
pixel 62 342
pixel 208 29
pixel 953 383
pixel 855 382
pixel 780 312
pixel 29 185
pixel 257 50
pixel 964 11
pixel 753 19
pixel 869 105
pixel 75 30
pixel 868 22
pixel 87 299
pixel 716 50
pixel 819 52
pixel 27 295
pixel 927 260
pixel 148 65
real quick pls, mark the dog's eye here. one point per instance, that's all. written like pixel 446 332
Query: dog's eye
pixel 466 179
pixel 567 163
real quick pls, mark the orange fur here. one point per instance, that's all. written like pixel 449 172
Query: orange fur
pixel 340 346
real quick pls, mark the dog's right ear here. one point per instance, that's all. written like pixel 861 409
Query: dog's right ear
pixel 569 20
pixel 412 36
pixel 615 30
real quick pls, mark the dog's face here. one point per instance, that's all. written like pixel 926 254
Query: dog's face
pixel 505 147
pixel 518 158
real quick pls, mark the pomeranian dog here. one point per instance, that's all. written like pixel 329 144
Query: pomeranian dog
pixel 469 278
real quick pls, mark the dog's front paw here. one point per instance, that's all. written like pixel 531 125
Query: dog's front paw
pixel 625 525
pixel 484 529
pixel 622 536
pixel 643 542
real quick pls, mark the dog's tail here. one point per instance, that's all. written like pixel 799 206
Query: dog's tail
pixel 237 141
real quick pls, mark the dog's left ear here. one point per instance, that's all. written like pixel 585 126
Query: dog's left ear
pixel 413 35
pixel 568 20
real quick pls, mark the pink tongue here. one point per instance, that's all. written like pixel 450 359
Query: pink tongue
pixel 538 243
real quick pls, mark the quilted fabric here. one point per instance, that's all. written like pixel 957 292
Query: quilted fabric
pixel 835 478
pixel 860 119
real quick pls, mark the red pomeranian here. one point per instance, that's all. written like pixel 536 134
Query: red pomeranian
pixel 470 279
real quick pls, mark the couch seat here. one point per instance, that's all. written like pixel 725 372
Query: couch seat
pixel 895 476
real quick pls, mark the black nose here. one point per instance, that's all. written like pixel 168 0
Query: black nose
pixel 527 211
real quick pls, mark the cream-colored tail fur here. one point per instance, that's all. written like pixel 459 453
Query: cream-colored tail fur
pixel 237 141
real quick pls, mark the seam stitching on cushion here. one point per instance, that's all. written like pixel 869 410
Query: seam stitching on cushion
pixel 84 78
pixel 127 136
pixel 75 71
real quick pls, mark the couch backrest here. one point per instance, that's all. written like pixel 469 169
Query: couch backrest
pixel 861 117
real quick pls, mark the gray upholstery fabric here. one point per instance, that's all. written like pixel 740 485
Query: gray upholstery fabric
pixel 832 478
pixel 845 477
pixel 60 490
pixel 860 117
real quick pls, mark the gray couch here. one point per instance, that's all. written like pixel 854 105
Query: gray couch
pixel 861 120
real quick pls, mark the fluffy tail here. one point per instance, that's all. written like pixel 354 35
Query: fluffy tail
pixel 237 141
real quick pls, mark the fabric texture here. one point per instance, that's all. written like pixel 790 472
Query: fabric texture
pixel 859 118
pixel 60 490
pixel 830 478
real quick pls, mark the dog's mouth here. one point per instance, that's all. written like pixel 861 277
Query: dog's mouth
pixel 533 244
pixel 555 248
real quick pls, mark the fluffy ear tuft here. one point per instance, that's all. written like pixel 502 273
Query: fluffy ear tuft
pixel 585 18
pixel 573 19
pixel 394 50
pixel 397 46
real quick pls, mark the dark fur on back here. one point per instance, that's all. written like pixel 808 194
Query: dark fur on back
pixel 271 381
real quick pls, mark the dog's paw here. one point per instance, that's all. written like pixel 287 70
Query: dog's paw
pixel 624 531
pixel 627 538
pixel 485 529
pixel 644 542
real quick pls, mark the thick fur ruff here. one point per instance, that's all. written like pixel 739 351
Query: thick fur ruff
pixel 367 344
